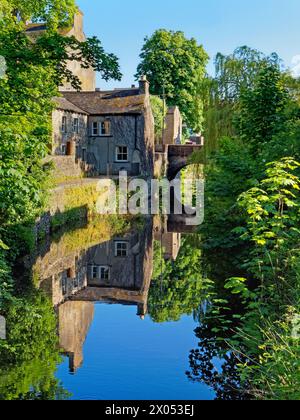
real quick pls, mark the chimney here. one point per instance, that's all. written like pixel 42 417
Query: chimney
pixel 144 86
pixel 78 21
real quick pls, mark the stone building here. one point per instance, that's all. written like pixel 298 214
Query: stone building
pixel 107 131
pixel 100 133
pixel 74 321
pixel 103 132
pixel 173 126
pixel 86 76
pixel 69 129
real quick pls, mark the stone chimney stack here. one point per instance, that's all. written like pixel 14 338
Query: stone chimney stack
pixel 144 86
pixel 78 21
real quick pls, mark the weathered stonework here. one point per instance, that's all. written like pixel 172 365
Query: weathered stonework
pixel 87 77
pixel 62 138
pixel 132 131
pixel 68 203
pixel 173 127
pixel 65 167
pixel 75 319
pixel 127 114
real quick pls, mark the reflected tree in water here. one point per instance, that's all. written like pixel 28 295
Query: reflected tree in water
pixel 211 363
pixel 178 287
pixel 29 356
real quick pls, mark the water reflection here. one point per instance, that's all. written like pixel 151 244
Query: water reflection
pixel 118 270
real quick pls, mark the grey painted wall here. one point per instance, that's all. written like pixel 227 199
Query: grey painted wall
pixel 135 132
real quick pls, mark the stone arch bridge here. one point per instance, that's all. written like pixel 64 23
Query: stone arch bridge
pixel 178 158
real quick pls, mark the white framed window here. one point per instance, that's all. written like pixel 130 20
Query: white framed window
pixel 95 130
pixel 121 249
pixel 64 125
pixel 63 149
pixel 105 128
pixel 122 154
pixel 95 272
pixel 76 125
pixel 104 273
pixel 101 272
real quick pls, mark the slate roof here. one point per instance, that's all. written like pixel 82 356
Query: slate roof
pixel 123 101
pixel 65 105
pixel 34 27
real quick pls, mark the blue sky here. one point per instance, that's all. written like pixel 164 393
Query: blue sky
pixel 220 25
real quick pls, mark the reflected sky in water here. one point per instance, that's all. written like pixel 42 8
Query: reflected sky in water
pixel 128 358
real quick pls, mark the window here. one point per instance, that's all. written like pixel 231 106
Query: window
pixel 105 128
pixel 64 125
pixel 83 157
pixel 100 272
pixel 95 129
pixel 63 149
pixel 76 125
pixel 94 272
pixel 122 154
pixel 121 249
pixel 104 273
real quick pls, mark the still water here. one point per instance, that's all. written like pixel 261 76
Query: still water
pixel 127 358
pixel 125 299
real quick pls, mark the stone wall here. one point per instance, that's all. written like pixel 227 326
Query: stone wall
pixel 65 167
pixel 136 132
pixel 148 143
pixel 68 203
pixel 161 161
pixel 86 76
pixel 75 319
pixel 61 138
pixel 173 130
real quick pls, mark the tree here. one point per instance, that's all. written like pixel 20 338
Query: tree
pixel 175 65
pixel 29 356
pixel 234 73
pixel 237 71
pixel 34 72
pixel 263 108
pixel 159 111
pixel 178 287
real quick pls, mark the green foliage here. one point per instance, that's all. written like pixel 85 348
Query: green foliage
pixel 235 73
pixel 6 286
pixel 159 111
pixel 262 108
pixel 175 65
pixel 252 220
pixel 227 173
pixel 55 13
pixel 177 288
pixel 29 356
pixel 35 70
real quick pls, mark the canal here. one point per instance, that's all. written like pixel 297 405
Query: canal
pixel 117 305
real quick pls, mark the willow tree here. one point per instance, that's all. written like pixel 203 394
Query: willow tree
pixel 234 74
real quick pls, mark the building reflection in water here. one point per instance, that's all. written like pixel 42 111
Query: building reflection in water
pixel 117 271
